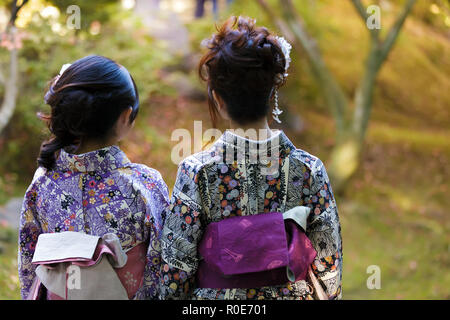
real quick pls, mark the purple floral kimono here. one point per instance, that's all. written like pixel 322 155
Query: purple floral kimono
pixel 96 193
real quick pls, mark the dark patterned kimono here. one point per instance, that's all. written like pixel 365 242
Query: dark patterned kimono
pixel 238 177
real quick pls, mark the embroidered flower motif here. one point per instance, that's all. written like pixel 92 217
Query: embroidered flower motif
pixel 130 281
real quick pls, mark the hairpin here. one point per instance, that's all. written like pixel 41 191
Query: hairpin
pixel 286 49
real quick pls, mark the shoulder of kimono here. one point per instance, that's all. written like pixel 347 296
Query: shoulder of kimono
pixel 312 162
pixel 197 162
pixel 145 171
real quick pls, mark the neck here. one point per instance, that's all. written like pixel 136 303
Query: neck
pixel 92 145
pixel 261 127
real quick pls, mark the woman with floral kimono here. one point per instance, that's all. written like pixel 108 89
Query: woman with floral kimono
pixel 84 182
pixel 243 68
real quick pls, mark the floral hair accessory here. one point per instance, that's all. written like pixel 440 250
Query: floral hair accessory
pixel 63 68
pixel 50 90
pixel 286 47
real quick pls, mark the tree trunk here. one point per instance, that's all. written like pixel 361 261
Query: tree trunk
pixel 344 160
pixel 10 83
pixel 9 99
pixel 347 153
pixel 350 131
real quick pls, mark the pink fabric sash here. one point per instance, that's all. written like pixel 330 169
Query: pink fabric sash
pixel 131 275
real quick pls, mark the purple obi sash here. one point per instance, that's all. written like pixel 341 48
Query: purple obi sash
pixel 254 251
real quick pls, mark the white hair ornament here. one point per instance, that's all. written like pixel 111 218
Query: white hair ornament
pixel 50 90
pixel 286 47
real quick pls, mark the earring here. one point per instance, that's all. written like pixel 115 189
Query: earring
pixel 276 111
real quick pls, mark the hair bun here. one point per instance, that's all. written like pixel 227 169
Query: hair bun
pixel 243 65
pixel 265 52
pixel 86 100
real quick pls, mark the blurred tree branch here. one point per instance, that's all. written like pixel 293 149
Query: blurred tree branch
pixel 2 77
pixel 15 8
pixel 334 95
pixel 350 130
pixel 10 83
pixel 362 11
pixel 281 25
pixel 378 53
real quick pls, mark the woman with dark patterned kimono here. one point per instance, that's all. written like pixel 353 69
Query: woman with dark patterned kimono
pixel 243 68
pixel 85 183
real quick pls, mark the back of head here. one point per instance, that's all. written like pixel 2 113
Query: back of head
pixel 86 100
pixel 243 65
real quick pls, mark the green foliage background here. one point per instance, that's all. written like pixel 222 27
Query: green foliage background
pixel 394 213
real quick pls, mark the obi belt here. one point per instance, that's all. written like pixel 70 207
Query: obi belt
pixel 254 251
pixel 77 266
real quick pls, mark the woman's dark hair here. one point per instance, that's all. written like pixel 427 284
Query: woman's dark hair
pixel 243 65
pixel 86 100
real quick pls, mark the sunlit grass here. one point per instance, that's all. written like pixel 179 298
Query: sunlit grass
pixel 413 259
pixel 9 280
pixel 422 140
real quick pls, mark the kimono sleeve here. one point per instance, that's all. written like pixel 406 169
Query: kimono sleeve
pixel 181 234
pixel 29 231
pixel 157 201
pixel 324 231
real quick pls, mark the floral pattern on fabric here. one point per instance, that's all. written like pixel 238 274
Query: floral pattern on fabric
pixel 96 193
pixel 209 189
pixel 229 190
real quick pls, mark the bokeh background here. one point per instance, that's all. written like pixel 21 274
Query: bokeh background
pixel 394 206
